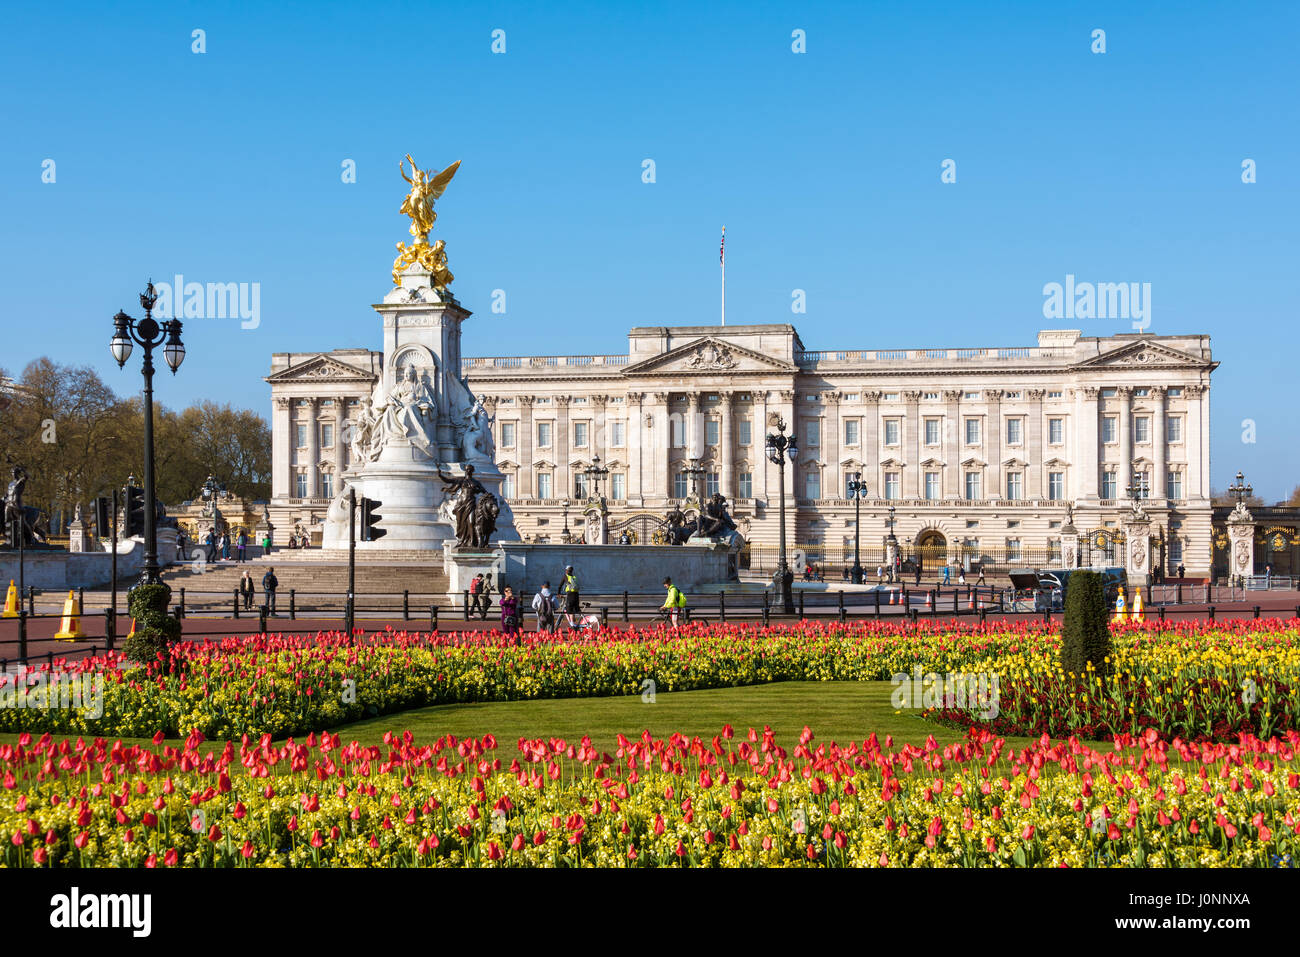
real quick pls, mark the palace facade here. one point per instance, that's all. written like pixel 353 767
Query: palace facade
pixel 977 450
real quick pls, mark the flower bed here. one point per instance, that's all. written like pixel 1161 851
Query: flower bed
pixel 1185 679
pixel 655 803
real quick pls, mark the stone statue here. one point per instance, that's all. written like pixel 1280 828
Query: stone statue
pixel 408 412
pixel 476 441
pixel 463 492
pixel 365 448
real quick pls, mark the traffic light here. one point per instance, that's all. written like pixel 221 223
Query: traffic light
pixel 134 517
pixel 104 517
pixel 370 518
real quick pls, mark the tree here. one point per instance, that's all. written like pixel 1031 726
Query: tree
pixel 1085 630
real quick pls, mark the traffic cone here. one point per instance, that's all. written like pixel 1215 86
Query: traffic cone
pixel 70 630
pixel 132 631
pixel 11 602
pixel 970 604
pixel 1137 605
pixel 929 601
pixel 1119 607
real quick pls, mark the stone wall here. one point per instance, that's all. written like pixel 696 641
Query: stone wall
pixel 613 569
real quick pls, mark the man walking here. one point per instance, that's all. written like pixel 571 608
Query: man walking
pixel 545 610
pixel 947 573
pixel 269 584
pixel 475 591
pixel 243 544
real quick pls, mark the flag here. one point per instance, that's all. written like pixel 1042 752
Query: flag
pixel 722 250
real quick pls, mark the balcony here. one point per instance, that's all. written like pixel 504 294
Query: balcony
pixel 484 363
pixel 859 357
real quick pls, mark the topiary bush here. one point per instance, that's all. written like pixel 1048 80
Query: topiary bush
pixel 1085 632
pixel 155 630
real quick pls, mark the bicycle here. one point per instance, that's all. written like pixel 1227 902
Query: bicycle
pixel 686 616
pixel 586 622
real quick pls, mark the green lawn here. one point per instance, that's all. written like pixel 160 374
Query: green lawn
pixel 836 711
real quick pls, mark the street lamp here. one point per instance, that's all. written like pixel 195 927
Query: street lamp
pixel 891 545
pixel 857 491
pixel 779 445
pixel 693 470
pixel 1241 490
pixel 595 472
pixel 565 534
pixel 149 334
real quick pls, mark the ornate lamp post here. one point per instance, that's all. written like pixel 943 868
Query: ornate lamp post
pixel 891 544
pixel 149 334
pixel 857 491
pixel 693 470
pixel 1241 490
pixel 779 445
pixel 564 536
pixel 595 473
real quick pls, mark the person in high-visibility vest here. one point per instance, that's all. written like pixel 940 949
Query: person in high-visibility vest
pixel 675 604
pixel 570 592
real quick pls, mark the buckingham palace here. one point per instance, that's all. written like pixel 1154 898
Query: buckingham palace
pixel 974 453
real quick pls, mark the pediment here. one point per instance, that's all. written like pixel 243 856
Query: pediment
pixel 1014 463
pixel 1144 354
pixel 974 462
pixel 543 464
pixel 1055 462
pixel 891 463
pixel 710 355
pixel 932 461
pixel 321 367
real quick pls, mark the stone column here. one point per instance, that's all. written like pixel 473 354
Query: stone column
pixel 1195 442
pixel 1159 451
pixel 1070 556
pixel 951 480
pixel 727 480
pixel 282 449
pixel 340 448
pixel 526 438
pixel 694 427
pixel 563 452
pixel 637 437
pixel 1087 450
pixel 871 444
pixel 993 489
pixel 913 440
pixel 1125 472
pixel 313 449
pixel 1137 548
pixel 832 479
pixel 599 440
pixel 661 485
pixel 1241 543
pixel 1035 446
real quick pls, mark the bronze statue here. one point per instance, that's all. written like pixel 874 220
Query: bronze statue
pixel 31 524
pixel 463 491
pixel 486 511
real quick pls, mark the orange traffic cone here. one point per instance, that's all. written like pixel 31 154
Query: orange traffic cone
pixel 132 631
pixel 11 602
pixel 970 604
pixel 929 601
pixel 70 629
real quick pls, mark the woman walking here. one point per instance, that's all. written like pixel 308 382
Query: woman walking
pixel 246 590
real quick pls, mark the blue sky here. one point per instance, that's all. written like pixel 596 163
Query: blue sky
pixel 825 167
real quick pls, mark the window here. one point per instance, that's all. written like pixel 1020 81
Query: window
pixel 851 430
pixel 1014 486
pixel 743 432
pixel 508 486
pixel 1014 430
pixel 676 432
pixel 931 485
pixel 1054 395
pixel 710 483
pixel 973 486
pixel 1175 391
pixel 1142 428
pixel 711 428
pixel 1141 393
pixel 679 486
pixel 891 431
pixel 890 396
pixel 327 403
pixel 852 397
pixel 543 484
pixel 891 485
pixel 580 435
pixel 544 436
pixel 581 486
pixel 1174 428
pixel 327 435
pixel 327 484
pixel 931 431
pixel 1053 549
pixel 508 435
pixel 300 440
pixel 1108 424
pixel 930 395
pixel 1013 523
pixel 972 523
pixel 970 395
pixel 1108 393
pixel 1174 485
pixel 812 432
pixel 1056 486
pixel 1011 395
pixel 618 486
pixel 972 431
pixel 1013 549
pixel 1055 431
pixel 746 484
pixel 301 481
pixel 618 434
pixel 1175 550
pixel 1108 484
pixel 813 484
pixel 1142 484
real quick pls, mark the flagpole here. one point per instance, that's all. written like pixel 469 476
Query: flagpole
pixel 723 256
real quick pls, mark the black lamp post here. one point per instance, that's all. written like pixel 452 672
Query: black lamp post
pixel 595 472
pixel 779 445
pixel 891 544
pixel 565 534
pixel 857 491
pixel 149 334
pixel 1241 490
pixel 693 470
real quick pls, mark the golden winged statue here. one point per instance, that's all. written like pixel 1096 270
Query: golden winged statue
pixel 426 187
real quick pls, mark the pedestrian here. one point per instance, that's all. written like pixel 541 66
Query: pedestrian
pixel 266 544
pixel 225 546
pixel 675 603
pixel 961 576
pixel 243 545
pixel 269 584
pixel 246 588
pixel 846 572
pixel 476 590
pixel 980 581
pixel 211 541
pixel 571 595
pixel 1181 571
pixel 947 573
pixel 544 608
pixel 880 574
pixel 509 614
pixel 918 573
